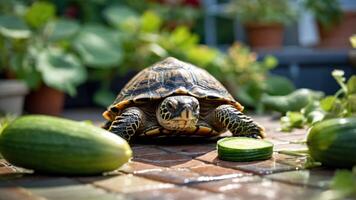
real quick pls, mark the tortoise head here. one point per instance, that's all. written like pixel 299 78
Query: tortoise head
pixel 178 113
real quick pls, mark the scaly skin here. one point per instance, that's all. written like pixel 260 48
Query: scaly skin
pixel 238 123
pixel 126 124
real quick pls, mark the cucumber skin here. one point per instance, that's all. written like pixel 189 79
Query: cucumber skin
pixel 54 145
pixel 292 102
pixel 333 142
pixel 243 155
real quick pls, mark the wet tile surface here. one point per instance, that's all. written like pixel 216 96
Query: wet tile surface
pixel 182 171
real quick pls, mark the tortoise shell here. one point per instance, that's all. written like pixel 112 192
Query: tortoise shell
pixel 166 78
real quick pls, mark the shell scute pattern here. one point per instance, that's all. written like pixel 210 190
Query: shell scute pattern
pixel 170 77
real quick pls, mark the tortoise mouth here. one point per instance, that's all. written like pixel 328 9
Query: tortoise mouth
pixel 181 124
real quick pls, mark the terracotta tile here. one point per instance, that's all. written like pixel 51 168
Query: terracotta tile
pixel 268 123
pixel 289 147
pixel 78 192
pixel 223 186
pixel 276 141
pixel 298 162
pixel 59 188
pixel 189 164
pixel 183 176
pixel 162 160
pixel 213 170
pixel 176 176
pixel 315 178
pixel 192 150
pixel 135 166
pixel 142 150
pixel 210 157
pixel 16 193
pixel 256 188
pixel 129 183
pixel 259 167
pixel 177 193
pixel 296 136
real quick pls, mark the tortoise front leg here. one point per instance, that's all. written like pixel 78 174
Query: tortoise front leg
pixel 238 123
pixel 126 124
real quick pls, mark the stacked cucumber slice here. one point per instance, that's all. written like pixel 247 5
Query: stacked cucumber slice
pixel 244 149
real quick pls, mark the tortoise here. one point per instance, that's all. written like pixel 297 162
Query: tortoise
pixel 173 98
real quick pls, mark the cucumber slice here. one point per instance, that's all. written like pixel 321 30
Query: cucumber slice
pixel 243 149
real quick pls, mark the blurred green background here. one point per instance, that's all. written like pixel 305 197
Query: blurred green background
pixel 83 52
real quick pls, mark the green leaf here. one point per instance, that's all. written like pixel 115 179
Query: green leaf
pixel 40 13
pixel 13 27
pixel 99 47
pixel 296 119
pixel 201 55
pixel 351 104
pixel 150 22
pixel 104 97
pixel 351 85
pixel 61 70
pixel 278 85
pixel 24 69
pixel 292 120
pixel 327 103
pixel 340 79
pixel 120 16
pixel 182 38
pixel 344 181
pixel 313 112
pixel 270 62
pixel 250 94
pixel 353 41
pixel 157 50
pixel 61 29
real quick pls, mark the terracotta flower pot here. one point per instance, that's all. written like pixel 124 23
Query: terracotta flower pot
pixel 265 35
pixel 45 100
pixel 338 35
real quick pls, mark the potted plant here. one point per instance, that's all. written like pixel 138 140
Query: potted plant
pixel 12 95
pixel 263 20
pixel 335 24
pixel 146 42
pixel 34 48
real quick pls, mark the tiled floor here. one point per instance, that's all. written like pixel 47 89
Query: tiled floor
pixel 179 170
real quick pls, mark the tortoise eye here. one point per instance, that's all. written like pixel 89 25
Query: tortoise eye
pixel 171 105
pixel 196 106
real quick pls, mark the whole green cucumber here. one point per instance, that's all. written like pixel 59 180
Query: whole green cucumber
pixel 291 102
pixel 56 145
pixel 333 142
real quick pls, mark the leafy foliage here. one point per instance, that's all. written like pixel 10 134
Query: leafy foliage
pixel 36 45
pixel 98 46
pixel 5 119
pixel 39 13
pixel 327 12
pixel 262 11
pixel 342 186
pixel 61 29
pixel 342 104
pixel 38 48
pixel 62 70
pixel 353 41
pixel 13 27
pixel 246 77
